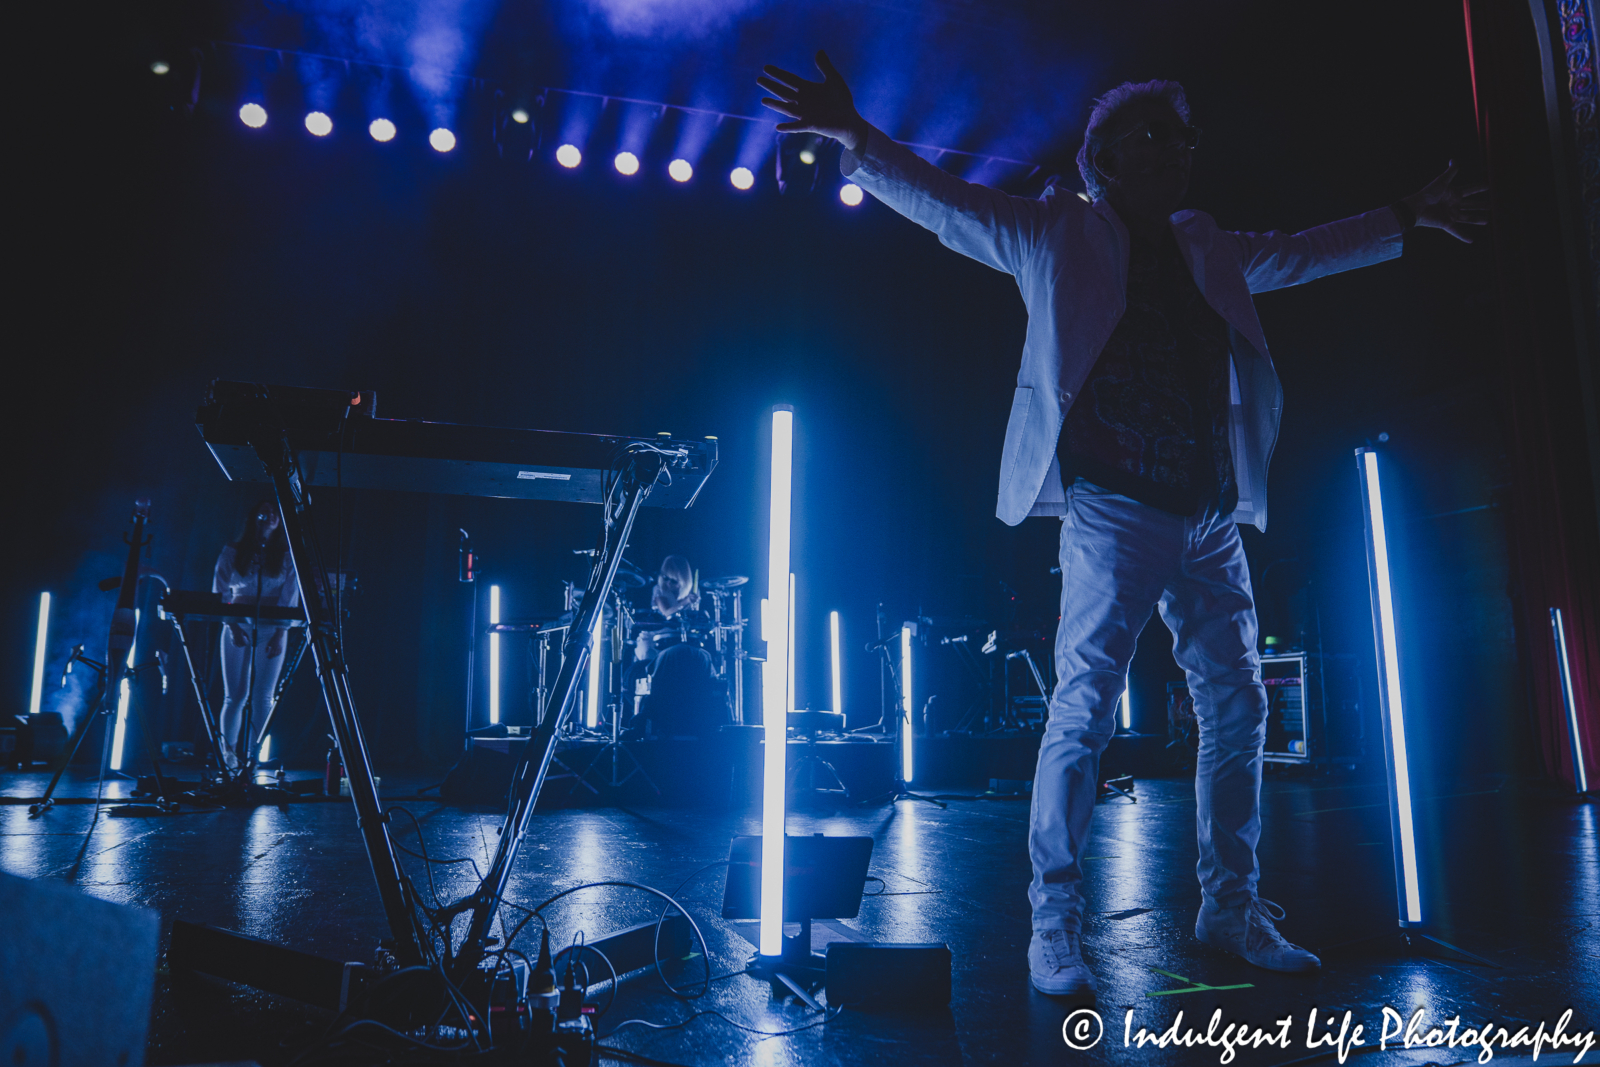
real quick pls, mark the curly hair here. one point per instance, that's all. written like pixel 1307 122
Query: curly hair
pixel 1106 110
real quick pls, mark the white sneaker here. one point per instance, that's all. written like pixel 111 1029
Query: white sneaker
pixel 1247 931
pixel 1055 963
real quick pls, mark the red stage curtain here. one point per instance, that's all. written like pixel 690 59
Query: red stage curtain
pixel 1532 67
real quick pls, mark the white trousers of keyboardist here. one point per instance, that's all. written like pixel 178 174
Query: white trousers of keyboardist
pixel 238 686
pixel 1119 560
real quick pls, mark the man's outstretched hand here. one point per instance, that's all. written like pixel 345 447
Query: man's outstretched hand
pixel 824 107
pixel 1444 206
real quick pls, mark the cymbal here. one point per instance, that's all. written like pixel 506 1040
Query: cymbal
pixel 718 585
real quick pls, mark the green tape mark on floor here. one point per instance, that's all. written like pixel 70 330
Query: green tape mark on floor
pixel 1193 987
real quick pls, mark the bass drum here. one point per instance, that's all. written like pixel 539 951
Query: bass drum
pixel 686 699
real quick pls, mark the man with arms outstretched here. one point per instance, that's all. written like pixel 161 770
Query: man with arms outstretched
pixel 1145 413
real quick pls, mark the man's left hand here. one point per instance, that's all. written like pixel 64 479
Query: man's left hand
pixel 1446 206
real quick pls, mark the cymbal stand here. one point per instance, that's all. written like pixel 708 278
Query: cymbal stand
pixel 901 789
pixel 639 466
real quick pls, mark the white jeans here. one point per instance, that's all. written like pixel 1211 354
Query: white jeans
pixel 236 683
pixel 1119 559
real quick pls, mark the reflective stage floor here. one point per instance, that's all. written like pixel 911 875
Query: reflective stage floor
pixel 1511 875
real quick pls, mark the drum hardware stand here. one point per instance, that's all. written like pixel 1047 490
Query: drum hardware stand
pixel 613 747
pixel 118 648
pixel 810 762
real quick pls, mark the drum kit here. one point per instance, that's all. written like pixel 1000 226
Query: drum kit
pixel 717 628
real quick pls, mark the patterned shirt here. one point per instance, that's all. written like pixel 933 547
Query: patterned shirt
pixel 1151 421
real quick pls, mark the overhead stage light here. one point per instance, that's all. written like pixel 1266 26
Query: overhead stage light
pixel 158 67
pixel 253 116
pixel 851 194
pixel 626 163
pixel 569 156
pixel 680 170
pixel 442 140
pixel 774 680
pixel 319 124
pixel 807 156
pixel 520 117
pixel 381 130
pixel 742 178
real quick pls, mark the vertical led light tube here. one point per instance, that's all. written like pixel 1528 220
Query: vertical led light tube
pixel 494 656
pixel 905 703
pixel 1580 776
pixel 1390 703
pixel 833 659
pixel 124 694
pixel 774 681
pixel 792 694
pixel 591 713
pixel 266 749
pixel 36 694
pixel 1127 707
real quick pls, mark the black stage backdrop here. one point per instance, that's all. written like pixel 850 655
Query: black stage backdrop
pixel 169 251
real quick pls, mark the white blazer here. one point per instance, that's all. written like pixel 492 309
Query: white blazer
pixel 1070 259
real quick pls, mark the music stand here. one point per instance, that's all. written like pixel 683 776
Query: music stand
pixel 823 878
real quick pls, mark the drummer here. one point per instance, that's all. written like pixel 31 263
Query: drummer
pixel 674 610
pixel 672 677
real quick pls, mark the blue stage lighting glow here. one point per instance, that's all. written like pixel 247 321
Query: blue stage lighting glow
pixel 626 163
pixel 36 694
pixel 774 679
pixel 158 67
pixel 742 178
pixel 569 156
pixel 1388 649
pixel 494 656
pixel 520 117
pixel 851 194
pixel 905 703
pixel 381 130
pixel 591 715
pixel 1580 774
pixel 119 734
pixel 442 140
pixel 680 170
pixel 833 647
pixel 318 124
pixel 253 116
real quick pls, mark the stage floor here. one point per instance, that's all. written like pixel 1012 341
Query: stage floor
pixel 1517 877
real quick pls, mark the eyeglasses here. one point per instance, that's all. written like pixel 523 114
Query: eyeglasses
pixel 1161 131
